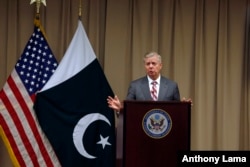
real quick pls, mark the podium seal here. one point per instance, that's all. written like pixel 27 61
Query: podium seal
pixel 157 123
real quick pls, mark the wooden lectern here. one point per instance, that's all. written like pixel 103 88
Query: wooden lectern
pixel 150 134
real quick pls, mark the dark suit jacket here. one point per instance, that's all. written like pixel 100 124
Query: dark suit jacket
pixel 139 90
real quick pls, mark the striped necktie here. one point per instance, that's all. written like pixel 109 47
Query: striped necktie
pixel 154 91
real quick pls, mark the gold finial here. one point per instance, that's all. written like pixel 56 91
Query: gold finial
pixel 38 4
pixel 80 9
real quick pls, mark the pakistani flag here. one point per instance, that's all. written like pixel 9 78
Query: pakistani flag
pixel 72 108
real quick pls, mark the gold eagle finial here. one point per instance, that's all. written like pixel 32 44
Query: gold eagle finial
pixel 38 4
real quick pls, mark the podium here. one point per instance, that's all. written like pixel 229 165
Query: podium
pixel 151 133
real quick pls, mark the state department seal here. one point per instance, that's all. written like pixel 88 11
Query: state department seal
pixel 157 123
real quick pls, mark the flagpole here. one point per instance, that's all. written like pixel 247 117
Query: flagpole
pixel 38 5
pixel 37 17
pixel 80 10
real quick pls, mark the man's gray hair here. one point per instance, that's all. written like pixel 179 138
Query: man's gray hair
pixel 151 54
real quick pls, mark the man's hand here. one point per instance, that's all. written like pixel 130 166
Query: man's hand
pixel 114 103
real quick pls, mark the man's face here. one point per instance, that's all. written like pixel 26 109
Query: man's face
pixel 153 67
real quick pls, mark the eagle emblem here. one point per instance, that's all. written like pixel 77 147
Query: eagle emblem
pixel 157 123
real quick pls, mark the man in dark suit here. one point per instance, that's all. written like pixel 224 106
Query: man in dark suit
pixel 140 89
pixel 143 88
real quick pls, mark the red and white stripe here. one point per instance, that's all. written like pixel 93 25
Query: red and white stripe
pixel 21 128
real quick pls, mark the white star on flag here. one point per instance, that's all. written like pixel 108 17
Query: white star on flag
pixel 103 141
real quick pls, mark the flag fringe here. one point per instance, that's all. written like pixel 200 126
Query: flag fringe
pixel 9 148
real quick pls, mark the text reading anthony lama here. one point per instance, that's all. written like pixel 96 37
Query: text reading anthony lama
pixel 213 159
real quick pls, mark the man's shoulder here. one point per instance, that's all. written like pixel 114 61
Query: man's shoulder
pixel 140 80
pixel 165 79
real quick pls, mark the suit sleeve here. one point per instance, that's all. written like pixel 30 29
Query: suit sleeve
pixel 131 92
pixel 176 93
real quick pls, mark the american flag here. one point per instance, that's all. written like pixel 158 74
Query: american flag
pixel 20 130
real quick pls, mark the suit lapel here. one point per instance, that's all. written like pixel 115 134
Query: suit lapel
pixel 163 89
pixel 145 89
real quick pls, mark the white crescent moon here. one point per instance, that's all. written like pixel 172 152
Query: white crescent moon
pixel 80 129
